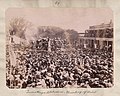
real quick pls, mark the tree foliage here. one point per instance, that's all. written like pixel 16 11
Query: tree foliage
pixel 18 26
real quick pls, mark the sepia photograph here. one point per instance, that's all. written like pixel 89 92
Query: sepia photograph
pixel 59 48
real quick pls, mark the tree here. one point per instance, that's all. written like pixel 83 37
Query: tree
pixel 18 26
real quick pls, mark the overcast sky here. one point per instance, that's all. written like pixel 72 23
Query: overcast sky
pixel 78 19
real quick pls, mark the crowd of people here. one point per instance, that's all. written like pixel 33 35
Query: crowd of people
pixel 44 44
pixel 81 68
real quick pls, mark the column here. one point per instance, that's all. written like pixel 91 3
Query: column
pixel 49 46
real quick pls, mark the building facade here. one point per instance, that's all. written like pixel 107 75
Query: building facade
pixel 98 36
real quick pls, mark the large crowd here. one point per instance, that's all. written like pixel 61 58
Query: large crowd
pixel 79 68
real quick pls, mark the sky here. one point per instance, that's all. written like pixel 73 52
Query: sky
pixel 78 19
